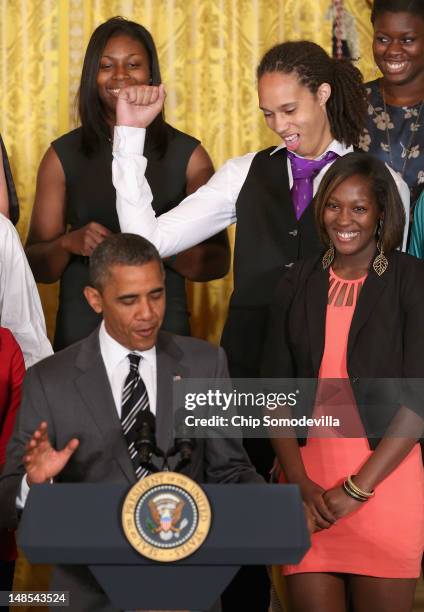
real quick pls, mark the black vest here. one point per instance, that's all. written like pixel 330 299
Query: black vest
pixel 269 239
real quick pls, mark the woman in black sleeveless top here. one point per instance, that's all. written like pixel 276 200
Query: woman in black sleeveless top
pixel 74 207
pixel 9 205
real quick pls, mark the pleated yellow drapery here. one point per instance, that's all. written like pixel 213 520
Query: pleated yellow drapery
pixel 209 50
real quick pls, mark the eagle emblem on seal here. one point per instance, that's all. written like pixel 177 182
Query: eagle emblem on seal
pixel 166 510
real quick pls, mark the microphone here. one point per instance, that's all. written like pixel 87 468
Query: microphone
pixel 184 444
pixel 145 443
pixel 185 447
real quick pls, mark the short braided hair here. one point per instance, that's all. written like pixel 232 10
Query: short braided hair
pixel 347 105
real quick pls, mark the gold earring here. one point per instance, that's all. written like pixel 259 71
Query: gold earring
pixel 328 257
pixel 380 263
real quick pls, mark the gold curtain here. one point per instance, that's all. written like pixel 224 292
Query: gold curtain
pixel 209 50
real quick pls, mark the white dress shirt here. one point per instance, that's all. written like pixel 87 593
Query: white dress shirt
pixel 20 306
pixel 117 369
pixel 118 366
pixel 202 214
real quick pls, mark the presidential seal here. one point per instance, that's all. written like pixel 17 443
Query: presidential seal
pixel 166 516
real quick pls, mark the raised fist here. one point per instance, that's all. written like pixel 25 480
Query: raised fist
pixel 138 105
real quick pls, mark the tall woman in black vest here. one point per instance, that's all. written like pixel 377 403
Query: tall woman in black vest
pixel 317 106
pixel 74 206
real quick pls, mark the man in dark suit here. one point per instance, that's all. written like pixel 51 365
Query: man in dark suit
pixel 69 428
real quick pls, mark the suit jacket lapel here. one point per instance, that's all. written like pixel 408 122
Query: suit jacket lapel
pixel 316 311
pixel 169 368
pixel 367 300
pixel 94 388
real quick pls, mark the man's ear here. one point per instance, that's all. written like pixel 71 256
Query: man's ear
pixel 323 93
pixel 94 298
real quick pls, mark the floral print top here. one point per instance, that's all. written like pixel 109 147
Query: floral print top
pixel 401 122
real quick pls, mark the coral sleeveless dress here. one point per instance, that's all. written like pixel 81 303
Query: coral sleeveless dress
pixel 384 537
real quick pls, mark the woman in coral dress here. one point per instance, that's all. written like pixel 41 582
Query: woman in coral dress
pixel 356 314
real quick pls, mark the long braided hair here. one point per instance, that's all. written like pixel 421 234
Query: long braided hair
pixel 347 106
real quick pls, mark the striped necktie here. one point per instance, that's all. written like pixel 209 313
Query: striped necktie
pixel 134 400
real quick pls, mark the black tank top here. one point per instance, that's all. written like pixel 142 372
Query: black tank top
pixel 91 196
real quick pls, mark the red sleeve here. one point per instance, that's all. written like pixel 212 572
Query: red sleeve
pixel 11 355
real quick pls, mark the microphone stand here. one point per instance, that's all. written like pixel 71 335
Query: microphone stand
pixel 183 444
pixel 146 445
pixel 185 447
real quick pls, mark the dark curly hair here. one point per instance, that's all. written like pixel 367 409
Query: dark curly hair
pixel 347 105
pixel 415 7
pixel 383 186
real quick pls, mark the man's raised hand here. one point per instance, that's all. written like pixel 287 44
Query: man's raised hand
pixel 138 105
pixel 41 460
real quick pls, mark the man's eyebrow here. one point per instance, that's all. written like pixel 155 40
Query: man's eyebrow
pixel 157 289
pixel 125 296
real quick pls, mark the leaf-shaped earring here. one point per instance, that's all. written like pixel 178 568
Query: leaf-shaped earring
pixel 380 263
pixel 328 257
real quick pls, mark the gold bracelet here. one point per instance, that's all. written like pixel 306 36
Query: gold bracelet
pixel 357 490
pixel 352 494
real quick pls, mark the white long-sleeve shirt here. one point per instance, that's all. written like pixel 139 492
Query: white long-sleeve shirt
pixel 20 305
pixel 202 214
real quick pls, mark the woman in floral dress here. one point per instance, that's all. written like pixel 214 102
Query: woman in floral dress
pixel 395 130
